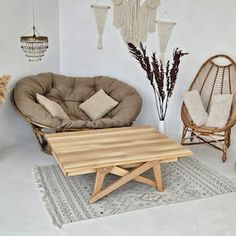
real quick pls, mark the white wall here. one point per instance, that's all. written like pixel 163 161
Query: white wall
pixel 15 20
pixel 204 28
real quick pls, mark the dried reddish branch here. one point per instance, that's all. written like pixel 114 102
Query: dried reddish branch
pixel 162 80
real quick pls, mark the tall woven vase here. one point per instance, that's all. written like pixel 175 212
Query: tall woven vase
pixel 162 126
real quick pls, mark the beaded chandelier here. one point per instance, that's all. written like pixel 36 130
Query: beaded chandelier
pixel 36 45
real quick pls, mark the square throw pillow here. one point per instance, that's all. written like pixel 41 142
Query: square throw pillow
pixel 194 105
pixel 52 107
pixel 98 105
pixel 220 110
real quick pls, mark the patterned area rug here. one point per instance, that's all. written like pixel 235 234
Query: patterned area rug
pixel 66 198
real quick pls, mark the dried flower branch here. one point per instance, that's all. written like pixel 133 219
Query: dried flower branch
pixel 162 80
pixel 3 87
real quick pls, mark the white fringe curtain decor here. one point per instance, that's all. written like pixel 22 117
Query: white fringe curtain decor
pixel 135 20
pixel 101 15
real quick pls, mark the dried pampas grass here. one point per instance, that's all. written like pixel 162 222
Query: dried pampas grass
pixel 3 87
pixel 161 77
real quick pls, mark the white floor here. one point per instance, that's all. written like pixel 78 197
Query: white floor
pixel 22 211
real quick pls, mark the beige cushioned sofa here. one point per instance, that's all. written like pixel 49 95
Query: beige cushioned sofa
pixel 69 93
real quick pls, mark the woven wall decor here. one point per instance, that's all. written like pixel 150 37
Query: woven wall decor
pixel 101 16
pixel 164 29
pixel 135 19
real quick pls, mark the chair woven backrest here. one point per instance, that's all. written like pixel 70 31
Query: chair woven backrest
pixel 216 76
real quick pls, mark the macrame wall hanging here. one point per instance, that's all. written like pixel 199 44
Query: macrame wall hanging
pixel 165 29
pixel 135 19
pixel 101 16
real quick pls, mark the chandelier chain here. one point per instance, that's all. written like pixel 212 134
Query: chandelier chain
pixel 33 13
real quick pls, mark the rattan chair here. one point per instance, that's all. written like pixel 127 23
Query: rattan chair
pixel 214 77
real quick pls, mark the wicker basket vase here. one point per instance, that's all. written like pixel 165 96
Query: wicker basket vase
pixel 212 78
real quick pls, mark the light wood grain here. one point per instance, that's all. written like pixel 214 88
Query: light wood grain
pixel 117 160
pixel 110 150
pixel 110 143
pixel 107 139
pixel 78 171
pixel 100 176
pixel 157 173
pixel 123 180
pixel 122 172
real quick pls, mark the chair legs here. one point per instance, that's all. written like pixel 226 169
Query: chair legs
pixel 40 136
pixel 229 138
pixel 216 140
pixel 41 140
pixel 185 131
pixel 191 136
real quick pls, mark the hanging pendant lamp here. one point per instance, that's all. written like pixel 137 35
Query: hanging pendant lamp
pixel 36 45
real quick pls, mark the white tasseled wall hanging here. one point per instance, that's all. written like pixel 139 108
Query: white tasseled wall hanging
pixel 135 19
pixel 101 16
pixel 165 29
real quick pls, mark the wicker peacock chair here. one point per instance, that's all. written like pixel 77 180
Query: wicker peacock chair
pixel 212 78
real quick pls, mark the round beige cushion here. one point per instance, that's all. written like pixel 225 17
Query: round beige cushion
pixel 69 93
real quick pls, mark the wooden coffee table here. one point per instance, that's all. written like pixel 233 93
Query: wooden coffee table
pixel 114 151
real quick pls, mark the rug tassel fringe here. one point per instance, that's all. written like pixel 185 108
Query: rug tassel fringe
pixel 45 198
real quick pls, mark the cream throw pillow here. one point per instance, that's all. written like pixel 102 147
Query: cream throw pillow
pixel 98 105
pixel 220 110
pixel 52 107
pixel 194 105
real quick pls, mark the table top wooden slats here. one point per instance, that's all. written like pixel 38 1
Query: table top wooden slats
pixel 85 151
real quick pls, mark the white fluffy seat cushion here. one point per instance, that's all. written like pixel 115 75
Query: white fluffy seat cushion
pixel 194 105
pixel 52 107
pixel 98 105
pixel 220 110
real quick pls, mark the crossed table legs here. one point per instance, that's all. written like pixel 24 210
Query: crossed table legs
pixel 126 176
